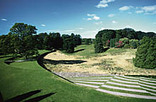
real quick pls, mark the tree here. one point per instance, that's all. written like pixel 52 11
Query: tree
pixel 23 39
pixel 98 46
pixel 68 43
pixel 107 35
pixel 146 53
pixel 112 43
pixel 133 43
pixel 55 40
pixel 86 41
pixel 5 44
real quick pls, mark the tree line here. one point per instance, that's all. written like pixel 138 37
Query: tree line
pixel 23 40
pixel 126 38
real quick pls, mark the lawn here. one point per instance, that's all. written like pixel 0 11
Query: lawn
pixel 20 78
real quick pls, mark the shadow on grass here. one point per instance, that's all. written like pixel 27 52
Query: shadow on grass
pixel 24 96
pixel 79 50
pixel 55 62
pixel 40 61
pixel 105 49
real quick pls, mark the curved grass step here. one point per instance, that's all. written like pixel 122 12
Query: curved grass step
pixel 145 80
pixel 126 94
pixel 151 91
pixel 120 84
pixel 128 82
pixel 91 78
pixel 154 87
pixel 93 86
pixel 152 79
pixel 148 83
pixel 100 83
pixel 126 79
pixel 125 89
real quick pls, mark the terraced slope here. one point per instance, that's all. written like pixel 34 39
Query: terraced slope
pixel 136 87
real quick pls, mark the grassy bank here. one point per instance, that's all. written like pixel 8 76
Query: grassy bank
pixel 20 78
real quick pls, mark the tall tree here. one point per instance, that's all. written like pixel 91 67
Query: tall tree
pixel 22 39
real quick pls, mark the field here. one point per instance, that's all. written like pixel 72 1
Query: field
pixel 84 60
pixel 27 81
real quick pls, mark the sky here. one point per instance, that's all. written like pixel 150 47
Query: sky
pixel 84 17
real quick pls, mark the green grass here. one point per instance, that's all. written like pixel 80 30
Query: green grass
pixel 87 51
pixel 124 91
pixel 20 78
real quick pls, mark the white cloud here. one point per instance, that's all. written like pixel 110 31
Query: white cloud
pixel 89 19
pixel 139 11
pixel 149 8
pixel 125 8
pixel 4 19
pixel 43 25
pixel 93 17
pixel 111 15
pixel 146 9
pixel 114 22
pixel 104 3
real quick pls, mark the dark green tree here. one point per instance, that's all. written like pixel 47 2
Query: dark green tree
pixel 68 43
pixel 22 39
pixel 146 53
pixel 98 46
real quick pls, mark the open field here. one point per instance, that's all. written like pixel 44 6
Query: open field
pixel 84 60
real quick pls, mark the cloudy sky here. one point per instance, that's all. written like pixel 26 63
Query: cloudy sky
pixel 85 17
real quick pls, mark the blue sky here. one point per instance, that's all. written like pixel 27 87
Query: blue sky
pixel 85 17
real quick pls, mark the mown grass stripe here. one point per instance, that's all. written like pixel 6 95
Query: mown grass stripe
pixel 128 77
pixel 125 89
pixel 153 84
pixel 89 78
pixel 123 86
pixel 127 94
pixel 119 84
pixel 149 89
pixel 124 81
pixel 152 79
pixel 89 82
pixel 148 80
pixel 132 80
pixel 93 86
pixel 147 85
pixel 92 80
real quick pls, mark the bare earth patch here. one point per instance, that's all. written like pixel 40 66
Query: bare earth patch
pixel 108 64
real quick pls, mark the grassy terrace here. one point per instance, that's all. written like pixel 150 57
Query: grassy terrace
pixel 20 78
pixel 117 86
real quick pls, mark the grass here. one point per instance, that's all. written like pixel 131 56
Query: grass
pixel 20 78
pixel 119 86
